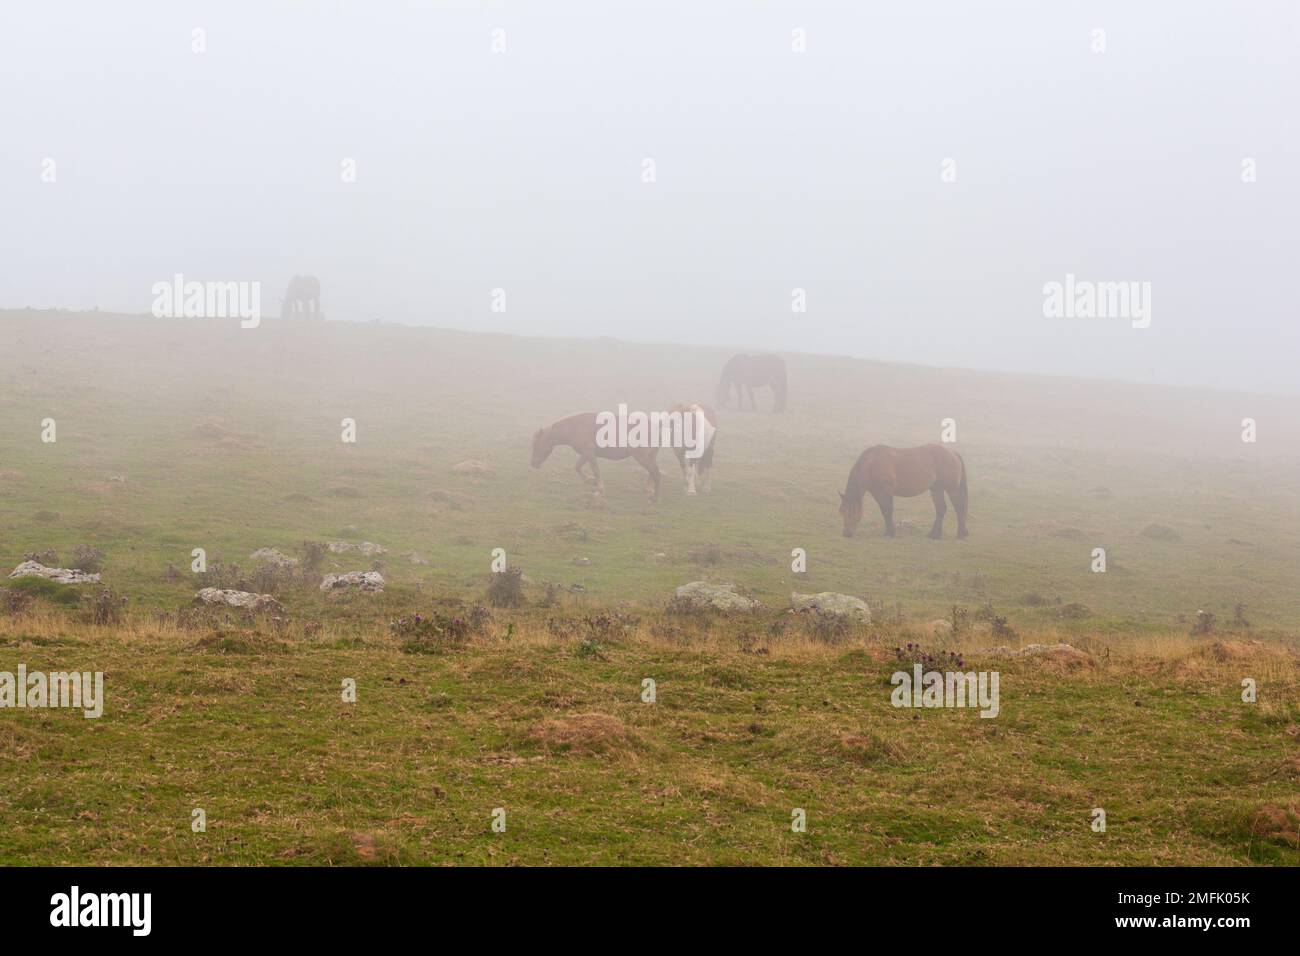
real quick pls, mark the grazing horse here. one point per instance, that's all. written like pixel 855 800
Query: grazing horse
pixel 579 433
pixel 747 371
pixel 301 298
pixel 699 463
pixel 906 472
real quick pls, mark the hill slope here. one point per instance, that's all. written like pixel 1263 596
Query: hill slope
pixel 229 439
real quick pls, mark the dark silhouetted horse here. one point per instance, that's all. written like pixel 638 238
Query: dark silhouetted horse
pixel 905 472
pixel 301 298
pixel 748 371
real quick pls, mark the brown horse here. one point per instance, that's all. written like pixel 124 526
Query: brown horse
pixel 905 472
pixel 698 461
pixel 579 433
pixel 747 371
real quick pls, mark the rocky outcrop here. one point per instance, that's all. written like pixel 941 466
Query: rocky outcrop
pixel 830 604
pixel 368 548
pixel 244 599
pixel 1062 653
pixel 702 595
pixel 370 581
pixel 273 557
pixel 61 575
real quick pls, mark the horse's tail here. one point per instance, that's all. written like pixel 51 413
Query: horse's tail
pixel 962 490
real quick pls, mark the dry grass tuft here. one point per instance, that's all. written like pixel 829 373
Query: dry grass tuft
pixel 583 734
pixel 1277 822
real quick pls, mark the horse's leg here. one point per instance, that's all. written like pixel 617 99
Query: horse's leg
pixel 690 471
pixel 582 460
pixel 708 480
pixel 595 470
pixel 960 499
pixel 653 478
pixel 886 502
pixel 940 509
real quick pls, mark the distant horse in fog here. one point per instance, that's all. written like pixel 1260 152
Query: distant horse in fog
pixel 301 298
pixel 699 463
pixel 579 433
pixel 748 371
pixel 905 472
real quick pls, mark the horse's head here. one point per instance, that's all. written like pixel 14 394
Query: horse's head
pixel 851 512
pixel 541 447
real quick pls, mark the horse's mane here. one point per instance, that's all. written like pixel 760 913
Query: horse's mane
pixel 856 484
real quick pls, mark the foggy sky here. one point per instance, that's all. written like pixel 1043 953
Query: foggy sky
pixel 775 170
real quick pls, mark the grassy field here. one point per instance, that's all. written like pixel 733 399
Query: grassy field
pixel 174 435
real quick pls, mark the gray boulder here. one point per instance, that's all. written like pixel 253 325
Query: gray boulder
pixel 830 604
pixel 715 597
pixel 371 581
pixel 244 599
pixel 61 575
pixel 368 548
pixel 272 556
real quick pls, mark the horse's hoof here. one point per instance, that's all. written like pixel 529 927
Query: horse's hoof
pixel 963 534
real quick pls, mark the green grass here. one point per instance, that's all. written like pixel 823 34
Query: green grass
pixel 259 737
pixel 228 440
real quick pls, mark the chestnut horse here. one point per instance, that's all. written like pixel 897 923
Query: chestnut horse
pixel 579 433
pixel 906 472
pixel 699 461
pixel 746 371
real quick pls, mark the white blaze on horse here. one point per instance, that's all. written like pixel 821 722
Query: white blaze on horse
pixel 694 447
